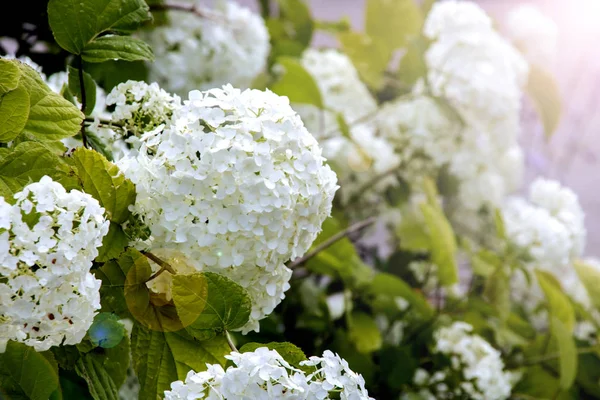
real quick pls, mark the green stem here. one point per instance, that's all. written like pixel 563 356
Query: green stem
pixel 163 264
pixel 83 99
pixel 105 122
pixel 230 342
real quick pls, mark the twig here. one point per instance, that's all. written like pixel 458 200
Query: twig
pixel 191 8
pixel 156 275
pixel 163 264
pixel 106 122
pixel 83 100
pixel 372 182
pixel 338 236
pixel 230 342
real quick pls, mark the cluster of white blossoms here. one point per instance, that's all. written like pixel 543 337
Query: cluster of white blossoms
pixel 228 44
pixel 533 33
pixel 48 240
pixel 481 76
pixel 549 228
pixel 263 375
pixel 359 156
pixel 141 107
pixel 479 366
pixel 237 184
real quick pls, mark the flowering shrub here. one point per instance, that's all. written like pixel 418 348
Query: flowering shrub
pixel 196 204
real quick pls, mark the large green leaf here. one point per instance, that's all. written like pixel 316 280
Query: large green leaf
pixel 103 180
pixel 364 333
pixel 497 292
pixel 208 303
pixel 27 374
pixel 160 358
pixel 393 22
pixel 75 23
pixel 104 370
pixel 112 292
pixel 590 277
pixel 14 112
pixel 369 56
pixel 543 90
pixel 9 76
pixel 89 87
pixel 567 359
pixel 296 83
pixel 113 244
pixel 29 162
pixel 558 302
pixel 113 47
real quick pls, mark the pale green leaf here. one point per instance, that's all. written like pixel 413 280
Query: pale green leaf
pixel 27 374
pixel 160 358
pixel 296 83
pixel 103 180
pixel 209 302
pixel 589 275
pixel 75 23
pixel 9 75
pixel 113 47
pixel 369 56
pixel 393 21
pixel 559 304
pixel 497 293
pixel 443 244
pixel 88 84
pixel 567 359
pixel 543 90
pixel 14 111
pixel 364 333
pixel 390 286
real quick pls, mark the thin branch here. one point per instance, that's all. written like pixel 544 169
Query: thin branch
pixel 338 236
pixel 230 342
pixel 156 275
pixel 191 8
pixel 105 122
pixel 161 263
pixel 372 182
pixel 83 100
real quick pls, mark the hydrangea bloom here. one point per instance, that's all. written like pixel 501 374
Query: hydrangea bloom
pixel 230 45
pixel 479 367
pixel 48 240
pixel 237 184
pixel 533 33
pixel 264 374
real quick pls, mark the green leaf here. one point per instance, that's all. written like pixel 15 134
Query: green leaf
pixel 589 275
pixel 558 302
pixel 390 286
pixel 412 232
pixel 393 22
pixel 160 358
pixel 14 111
pixel 27 374
pixel 103 180
pixel 543 90
pixel 412 65
pixel 567 350
pixel 113 244
pixel 208 303
pixel 9 75
pixel 113 47
pixel 296 83
pixel 88 84
pixel 364 333
pixel 443 244
pixel 369 56
pixel 289 351
pixel 75 23
pixel 112 292
pixel 29 162
pixel 104 370
pixel 485 263
pixel 539 383
pixel 497 293
pixel 51 117
pixel 292 31
pixel 110 73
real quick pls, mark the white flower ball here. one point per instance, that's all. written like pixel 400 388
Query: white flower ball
pixel 48 240
pixel 263 374
pixel 230 45
pixel 237 184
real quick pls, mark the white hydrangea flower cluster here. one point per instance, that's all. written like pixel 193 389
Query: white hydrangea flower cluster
pixel 264 374
pixel 48 240
pixel 481 76
pixel 237 184
pixel 228 45
pixel 140 108
pixel 533 33
pixel 360 156
pixel 478 364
